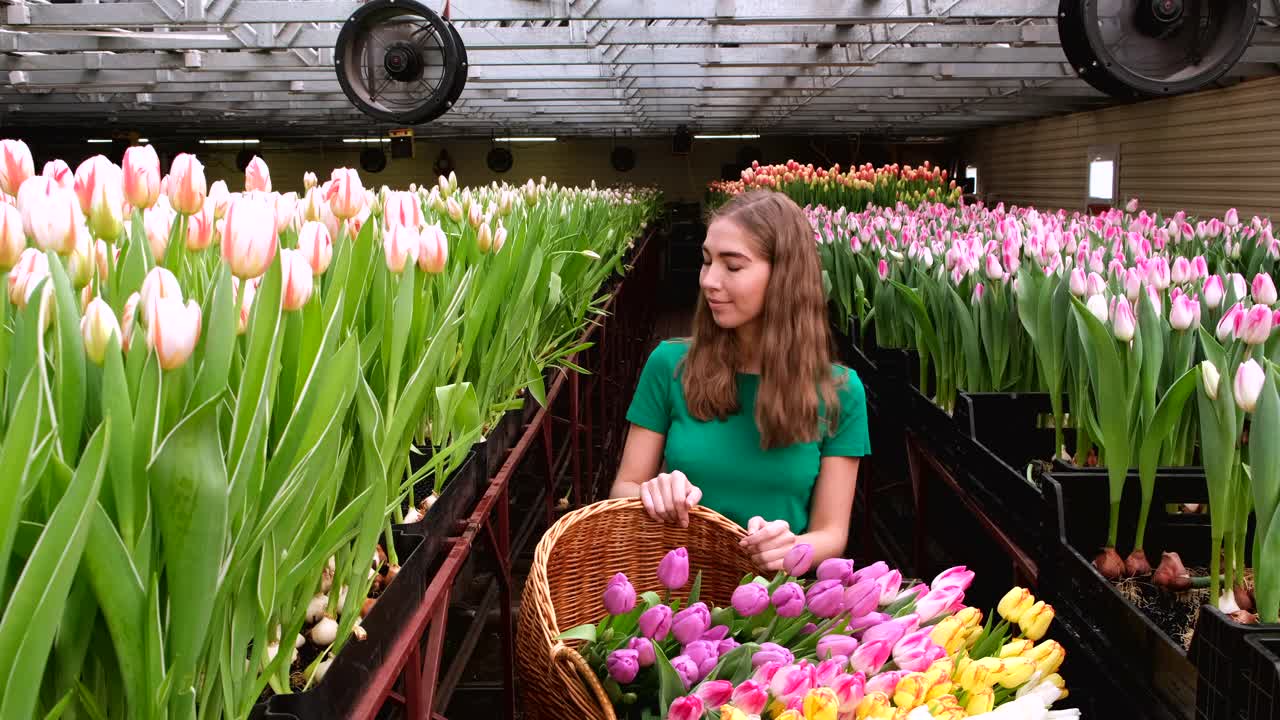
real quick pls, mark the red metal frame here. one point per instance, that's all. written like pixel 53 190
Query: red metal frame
pixel 419 667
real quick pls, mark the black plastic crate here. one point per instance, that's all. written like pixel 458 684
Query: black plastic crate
pixel 1229 679
pixel 1009 425
pixel 1077 510
pixel 1262 683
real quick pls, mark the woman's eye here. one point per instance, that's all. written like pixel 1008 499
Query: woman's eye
pixel 733 268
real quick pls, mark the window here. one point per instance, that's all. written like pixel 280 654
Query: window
pixel 1104 176
pixel 971 174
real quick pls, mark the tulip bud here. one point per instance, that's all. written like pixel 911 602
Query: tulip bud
pixel 1182 313
pixel 187 188
pixel 13 240
pixel 248 237
pixel 53 220
pixel 454 209
pixel 16 165
pixel 831 646
pixel 1254 326
pixel 31 267
pixel 1209 379
pixel 1079 282
pixel 316 246
pixel 500 239
pixel 346 193
pixel 1097 306
pixel 401 247
pixel 750 599
pixel 1238 285
pixel 798 559
pixel 308 180
pixel 1248 385
pixel 172 330
pixel 200 228
pixel 1125 323
pixel 484 238
pixel 257 176
pixel 623 665
pixel 442 183
pixel 788 600
pixel 1264 289
pixel 60 173
pixel 1213 291
pixel 689 707
pixel 141 176
pixel 1229 325
pixel 219 199
pixel 981 701
pixel 1014 603
pixel 673 571
pixel 97 327
pixel 1036 619
pixel 297 279
pixel 689 624
pixel 655 622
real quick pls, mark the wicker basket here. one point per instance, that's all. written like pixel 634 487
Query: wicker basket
pixel 571 567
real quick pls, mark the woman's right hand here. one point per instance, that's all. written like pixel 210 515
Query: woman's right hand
pixel 668 498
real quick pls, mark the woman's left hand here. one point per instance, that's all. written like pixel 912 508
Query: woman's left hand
pixel 768 542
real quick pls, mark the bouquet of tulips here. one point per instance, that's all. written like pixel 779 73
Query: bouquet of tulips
pixel 848 643
pixel 208 400
pixel 832 187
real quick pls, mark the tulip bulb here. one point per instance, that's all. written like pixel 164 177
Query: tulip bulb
pixel 325 632
pixel 315 608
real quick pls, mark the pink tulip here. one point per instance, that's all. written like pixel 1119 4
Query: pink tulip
pixel 54 220
pixel 1232 218
pixel 836 569
pixel 1248 384
pixel 1096 285
pixel 1239 285
pixel 159 283
pixel 345 194
pixel 1183 311
pixel 870 656
pixel 798 559
pixel 16 165
pixel 187 188
pixel 644 651
pixel 1229 325
pixel 60 173
pixel 92 173
pixel 141 168
pixel 285 207
pixel 129 320
pixel 1264 289
pixel 247 295
pixel 1158 274
pixel 499 238
pixel 297 279
pixel 12 238
pixel 882 268
pixel 673 570
pixel 248 238
pixel 885 682
pixel 915 652
pixel 402 208
pixel 97 327
pixel 792 680
pixel 1182 271
pixel 849 690
pixel 689 707
pixel 32 265
pixel 1132 283
pixel 829 670
pixel 831 646
pixel 257 176
pixel 172 330
pixel 1254 327
pixel 433 250
pixel 157 222
pixel 219 198
pixel 316 246
pixel 401 247
pixel 750 697
pixel 1079 282
pixel 200 228
pixel 1199 267
pixel 715 693
pixel 889 584
pixel 958 577
pixel 1213 291
pixel 655 622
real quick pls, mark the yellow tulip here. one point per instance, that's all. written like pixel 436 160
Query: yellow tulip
pixel 1047 656
pixel 949 713
pixel 1015 602
pixel 971 636
pixel 873 705
pixel 1014 648
pixel 729 712
pixel 789 715
pixel 820 704
pixel 1016 672
pixel 940 690
pixel 969 617
pixel 1056 680
pixel 980 674
pixel 941 669
pixel 1035 620
pixel 910 691
pixel 949 633
pixel 981 701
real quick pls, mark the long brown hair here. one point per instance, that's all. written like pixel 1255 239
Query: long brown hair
pixel 795 367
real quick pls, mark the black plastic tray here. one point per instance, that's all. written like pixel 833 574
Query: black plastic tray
pixel 1262 683
pixel 1229 680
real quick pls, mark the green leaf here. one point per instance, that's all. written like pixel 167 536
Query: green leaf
pixel 697 588
pixel 69 390
pixel 31 615
pixel 670 686
pixel 189 484
pixel 127 488
pixel 16 451
pixel 118 588
pixel 582 632
pixel 218 341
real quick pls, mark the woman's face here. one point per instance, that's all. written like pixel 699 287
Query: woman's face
pixel 734 275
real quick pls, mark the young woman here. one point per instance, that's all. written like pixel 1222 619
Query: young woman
pixel 749 416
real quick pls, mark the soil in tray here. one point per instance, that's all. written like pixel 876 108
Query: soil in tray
pixel 1174 613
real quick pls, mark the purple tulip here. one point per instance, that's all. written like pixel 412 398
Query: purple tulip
pixel 655 622
pixel 687 669
pixel 716 634
pixel 808 629
pixel 834 645
pixel 673 571
pixel 726 646
pixel 704 654
pixel 862 622
pixel 644 651
pixel 836 569
pixel 770 653
pixel 870 572
pixel 619 596
pixel 798 560
pixel 788 600
pixel 689 624
pixel 715 693
pixel 750 599
pixel 623 665
pixel 862 598
pixel 826 598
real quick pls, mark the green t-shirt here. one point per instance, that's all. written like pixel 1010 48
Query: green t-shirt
pixel 724 459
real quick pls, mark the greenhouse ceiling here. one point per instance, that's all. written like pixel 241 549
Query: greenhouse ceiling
pixel 567 67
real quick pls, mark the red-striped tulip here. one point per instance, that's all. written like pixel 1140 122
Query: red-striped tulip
pixel 157 222
pixel 308 180
pixel 54 220
pixel 257 176
pixel 88 255
pixel 346 193
pixel 16 165
pixel 141 167
pixel 172 330
pixel 106 205
pixel 246 296
pixel 297 279
pixel 454 209
pixel 129 320
pixel 159 283
pixel 89 175
pixel 484 238
pixel 60 173
pixel 97 327
pixel 249 238
pixel 219 198
pixel 499 238
pixel 200 228
pixel 32 265
pixel 401 208
pixel 401 247
pixel 286 207
pixel 187 187
pixel 433 249
pixel 316 246
pixel 12 238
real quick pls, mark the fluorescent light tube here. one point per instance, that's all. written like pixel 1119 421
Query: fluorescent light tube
pixel 524 139
pixel 366 140
pixel 244 141
pixel 746 136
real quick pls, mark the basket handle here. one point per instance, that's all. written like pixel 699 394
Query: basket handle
pixel 563 653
